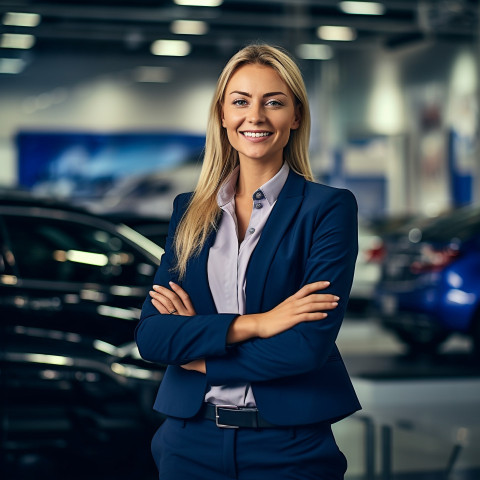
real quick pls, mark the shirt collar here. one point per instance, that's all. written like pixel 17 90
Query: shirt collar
pixel 274 186
pixel 271 189
pixel 227 190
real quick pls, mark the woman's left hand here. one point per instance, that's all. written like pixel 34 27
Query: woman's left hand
pixel 174 302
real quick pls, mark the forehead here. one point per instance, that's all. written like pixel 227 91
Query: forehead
pixel 255 77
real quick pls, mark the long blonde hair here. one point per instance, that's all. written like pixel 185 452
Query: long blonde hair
pixel 220 158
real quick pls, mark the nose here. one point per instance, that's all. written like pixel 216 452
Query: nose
pixel 256 113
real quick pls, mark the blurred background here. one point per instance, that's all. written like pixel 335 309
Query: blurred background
pixel 103 111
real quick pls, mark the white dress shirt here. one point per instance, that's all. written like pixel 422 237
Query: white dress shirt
pixel 227 265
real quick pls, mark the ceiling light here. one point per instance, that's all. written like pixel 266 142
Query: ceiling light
pixel 335 33
pixel 20 19
pixel 11 65
pixel 311 51
pixel 172 48
pixel 189 27
pixel 16 40
pixel 152 74
pixel 362 8
pixel 199 3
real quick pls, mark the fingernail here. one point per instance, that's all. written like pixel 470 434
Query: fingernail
pixel 334 304
pixel 326 283
pixel 336 298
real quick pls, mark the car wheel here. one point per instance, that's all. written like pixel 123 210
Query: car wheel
pixel 422 341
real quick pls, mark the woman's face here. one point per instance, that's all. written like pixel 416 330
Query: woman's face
pixel 258 113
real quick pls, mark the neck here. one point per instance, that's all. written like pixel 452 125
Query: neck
pixel 253 175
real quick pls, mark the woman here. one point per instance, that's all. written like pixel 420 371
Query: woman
pixel 251 292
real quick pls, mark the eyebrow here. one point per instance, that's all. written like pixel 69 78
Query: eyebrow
pixel 246 94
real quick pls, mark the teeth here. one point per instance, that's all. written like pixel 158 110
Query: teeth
pixel 256 135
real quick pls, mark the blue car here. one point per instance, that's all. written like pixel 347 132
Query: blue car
pixel 430 280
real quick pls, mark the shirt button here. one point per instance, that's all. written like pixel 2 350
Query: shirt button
pixel 258 205
pixel 251 230
pixel 258 195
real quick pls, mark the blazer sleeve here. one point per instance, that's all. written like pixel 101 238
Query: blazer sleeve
pixel 308 345
pixel 178 339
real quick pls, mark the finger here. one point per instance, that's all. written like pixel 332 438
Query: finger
pixel 172 306
pixel 159 306
pixel 312 317
pixel 166 292
pixel 319 297
pixel 321 306
pixel 316 299
pixel 159 300
pixel 310 288
pixel 316 307
pixel 172 299
pixel 182 294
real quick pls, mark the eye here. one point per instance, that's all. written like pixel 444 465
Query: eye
pixel 274 103
pixel 240 102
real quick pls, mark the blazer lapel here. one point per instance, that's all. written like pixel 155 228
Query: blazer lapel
pixel 278 222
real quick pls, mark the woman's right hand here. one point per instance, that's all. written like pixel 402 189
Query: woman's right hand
pixel 303 306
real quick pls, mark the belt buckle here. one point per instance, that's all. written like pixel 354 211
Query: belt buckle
pixel 217 415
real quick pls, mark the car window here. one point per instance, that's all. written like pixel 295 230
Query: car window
pixel 69 251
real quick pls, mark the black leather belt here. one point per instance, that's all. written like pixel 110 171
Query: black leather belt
pixel 229 416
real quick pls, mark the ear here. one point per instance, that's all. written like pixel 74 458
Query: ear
pixel 223 117
pixel 297 118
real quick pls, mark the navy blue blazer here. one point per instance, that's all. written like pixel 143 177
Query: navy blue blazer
pixel 298 376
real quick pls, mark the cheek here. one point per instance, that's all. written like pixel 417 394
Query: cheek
pixel 232 119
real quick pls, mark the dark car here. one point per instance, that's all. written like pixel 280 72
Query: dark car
pixel 70 408
pixel 430 282
pixel 65 269
pixel 71 288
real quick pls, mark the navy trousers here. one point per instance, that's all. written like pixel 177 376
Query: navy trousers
pixel 198 450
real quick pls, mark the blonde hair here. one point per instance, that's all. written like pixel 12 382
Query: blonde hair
pixel 220 158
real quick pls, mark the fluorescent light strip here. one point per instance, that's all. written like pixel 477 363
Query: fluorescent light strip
pixel 21 19
pixel 189 27
pixel 17 40
pixel 336 33
pixel 362 8
pixel 172 48
pixel 199 3
pixel 312 51
pixel 13 66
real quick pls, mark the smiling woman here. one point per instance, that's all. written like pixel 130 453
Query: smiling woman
pixel 251 292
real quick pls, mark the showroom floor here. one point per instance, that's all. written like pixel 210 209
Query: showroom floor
pixel 420 419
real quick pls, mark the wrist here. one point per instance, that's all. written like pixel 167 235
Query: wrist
pixel 243 328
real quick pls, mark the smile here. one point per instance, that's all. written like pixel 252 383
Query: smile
pixel 256 134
